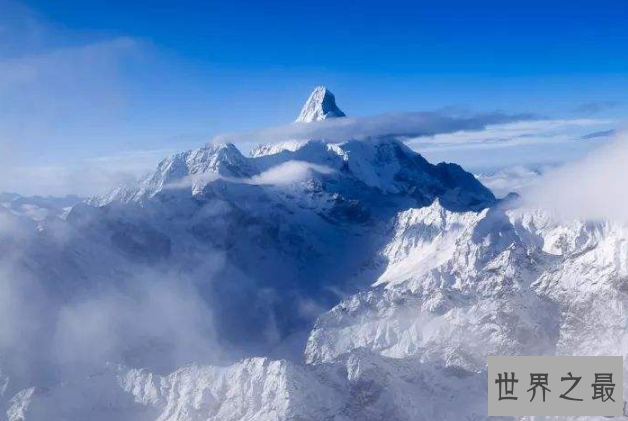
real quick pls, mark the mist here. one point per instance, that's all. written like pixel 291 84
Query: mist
pixel 592 188
pixel 65 326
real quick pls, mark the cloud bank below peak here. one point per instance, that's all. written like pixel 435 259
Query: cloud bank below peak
pixel 399 125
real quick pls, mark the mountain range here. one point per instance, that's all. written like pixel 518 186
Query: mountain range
pixel 310 280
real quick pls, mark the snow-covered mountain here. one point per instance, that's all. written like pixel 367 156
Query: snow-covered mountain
pixel 320 105
pixel 282 219
pixel 312 280
pixel 383 167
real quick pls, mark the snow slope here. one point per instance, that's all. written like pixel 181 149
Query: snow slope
pixel 310 281
pixel 415 348
pixel 319 106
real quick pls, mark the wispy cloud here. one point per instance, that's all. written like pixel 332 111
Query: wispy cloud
pixel 517 133
pixel 62 91
pixel 531 144
pixel 400 125
pixel 283 174
pixel 56 96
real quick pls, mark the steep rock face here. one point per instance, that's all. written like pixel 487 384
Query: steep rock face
pixel 321 105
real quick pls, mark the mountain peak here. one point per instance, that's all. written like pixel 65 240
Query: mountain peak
pixel 320 105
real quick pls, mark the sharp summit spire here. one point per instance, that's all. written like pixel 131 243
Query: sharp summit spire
pixel 321 105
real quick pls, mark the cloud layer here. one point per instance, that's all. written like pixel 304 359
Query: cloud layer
pixel 61 327
pixel 592 188
pixel 516 133
pixel 399 125
pixel 511 180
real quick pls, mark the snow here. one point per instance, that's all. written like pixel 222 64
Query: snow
pixel 401 276
pixel 275 148
pixel 320 105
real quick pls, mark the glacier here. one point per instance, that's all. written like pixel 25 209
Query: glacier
pixel 310 280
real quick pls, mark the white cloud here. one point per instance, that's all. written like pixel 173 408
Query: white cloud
pixel 592 188
pixel 511 134
pixel 283 174
pixel 288 173
pixel 511 180
pixel 401 125
pixel 531 144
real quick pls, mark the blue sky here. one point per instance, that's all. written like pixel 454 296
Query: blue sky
pixel 130 81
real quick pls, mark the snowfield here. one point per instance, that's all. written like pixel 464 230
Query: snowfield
pixel 312 280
